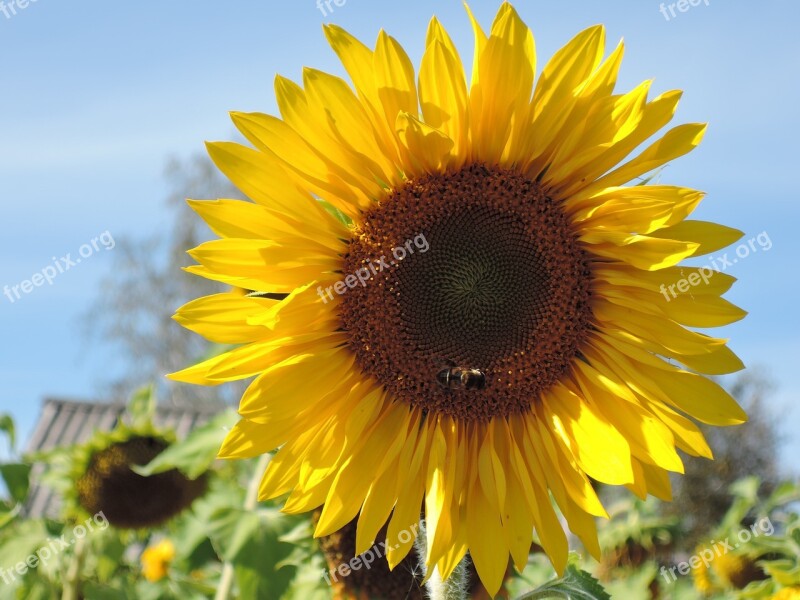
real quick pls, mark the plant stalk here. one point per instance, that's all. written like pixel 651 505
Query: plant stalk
pixel 250 502
pixel 72 583
pixel 455 587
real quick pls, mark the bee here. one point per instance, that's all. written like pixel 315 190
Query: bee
pixel 454 377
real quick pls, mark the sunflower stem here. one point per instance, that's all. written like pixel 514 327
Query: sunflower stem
pixel 250 502
pixel 72 583
pixel 455 587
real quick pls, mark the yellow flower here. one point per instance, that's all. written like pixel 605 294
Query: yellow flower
pixel 157 559
pixel 726 571
pixel 790 593
pixel 468 307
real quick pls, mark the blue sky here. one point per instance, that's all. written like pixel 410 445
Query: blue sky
pixel 97 95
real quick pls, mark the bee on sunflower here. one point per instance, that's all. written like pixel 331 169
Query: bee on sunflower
pixel 541 284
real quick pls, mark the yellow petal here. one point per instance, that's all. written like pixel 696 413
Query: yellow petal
pixel 641 251
pixel 439 482
pixel 650 440
pixel 443 91
pixel 498 101
pixel 394 77
pixel 597 446
pixel 238 219
pixel 718 361
pixel 267 265
pixel 248 439
pixel 608 121
pixel 695 395
pixel 635 209
pixel 517 523
pixel 700 311
pixel 655 115
pixel 296 383
pixel 377 449
pixel 222 318
pixel 710 237
pixel 663 332
pixel 317 173
pixel 382 493
pixel 253 359
pixel 713 283
pixel 429 148
pixel 349 124
pixel 554 96
pixel 359 62
pixel 486 540
pixel 259 176
pixel 675 143
pixel 403 527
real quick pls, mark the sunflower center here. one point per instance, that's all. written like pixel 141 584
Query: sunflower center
pixel 478 296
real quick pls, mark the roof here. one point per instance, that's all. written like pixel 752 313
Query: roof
pixel 68 422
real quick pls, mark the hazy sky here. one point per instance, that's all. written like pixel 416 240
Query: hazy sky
pixel 97 95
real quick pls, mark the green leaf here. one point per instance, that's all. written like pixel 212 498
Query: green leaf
pixel 338 214
pixel 252 542
pixel 8 514
pixel 17 478
pixel 21 541
pixel 37 588
pixel 108 552
pixel 745 492
pixel 232 529
pixel 103 592
pixel 634 582
pixel 786 493
pixel 142 405
pixel 7 425
pixel 574 585
pixel 194 455
pixel 308 583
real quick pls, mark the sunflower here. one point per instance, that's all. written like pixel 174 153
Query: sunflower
pixel 727 572
pixel 156 560
pixel 790 593
pixel 105 482
pixel 458 303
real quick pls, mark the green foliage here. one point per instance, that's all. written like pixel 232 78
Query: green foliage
pixel 637 522
pixel 194 455
pixel 15 476
pixel 7 427
pixel 576 584
pixel 142 406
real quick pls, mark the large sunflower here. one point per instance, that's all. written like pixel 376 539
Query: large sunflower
pixel 459 304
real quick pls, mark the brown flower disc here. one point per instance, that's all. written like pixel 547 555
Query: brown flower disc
pixel 477 268
pixel 129 500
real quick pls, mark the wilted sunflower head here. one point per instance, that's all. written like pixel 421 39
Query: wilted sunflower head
pixel 460 300
pixel 106 483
